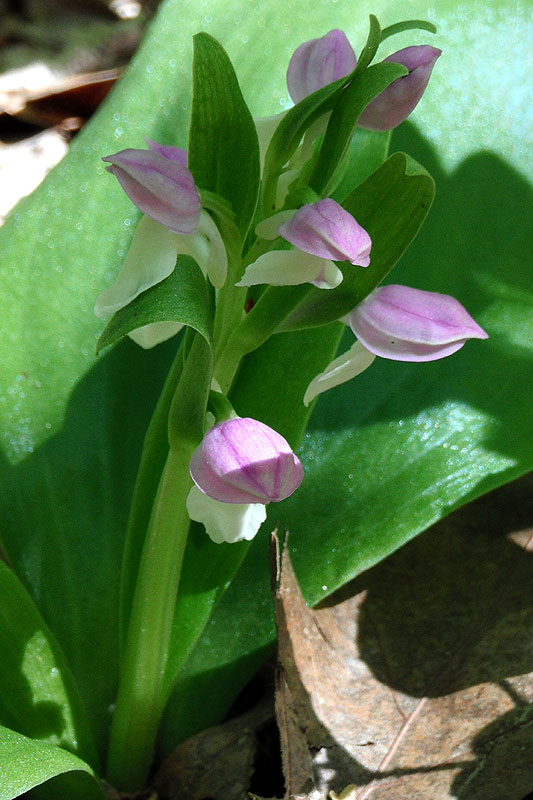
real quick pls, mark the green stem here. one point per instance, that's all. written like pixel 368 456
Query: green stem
pixel 138 709
pixel 155 449
pixel 229 312
pixel 230 316
pixel 260 324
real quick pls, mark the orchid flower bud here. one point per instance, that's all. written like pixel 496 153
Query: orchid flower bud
pixel 244 461
pixel 318 62
pixel 177 154
pixel 322 232
pixel 395 103
pixel 159 185
pixel 405 324
pixel 325 229
pixel 401 324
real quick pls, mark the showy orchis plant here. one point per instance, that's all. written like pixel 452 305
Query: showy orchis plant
pixel 261 232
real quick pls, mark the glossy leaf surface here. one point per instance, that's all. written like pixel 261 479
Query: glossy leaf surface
pixel 38 696
pixel 26 764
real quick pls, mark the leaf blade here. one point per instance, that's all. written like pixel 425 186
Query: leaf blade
pixel 26 764
pixel 182 297
pixel 221 127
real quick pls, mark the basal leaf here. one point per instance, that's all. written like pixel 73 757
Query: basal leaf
pixel 39 697
pixel 26 764
pixel 65 509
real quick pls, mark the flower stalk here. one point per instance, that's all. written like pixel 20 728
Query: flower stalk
pixel 140 698
pixel 141 694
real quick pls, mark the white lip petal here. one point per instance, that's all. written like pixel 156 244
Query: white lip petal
pixel 151 258
pixel 156 332
pixel 342 369
pixel 290 268
pixel 195 245
pixel 225 522
pixel 329 277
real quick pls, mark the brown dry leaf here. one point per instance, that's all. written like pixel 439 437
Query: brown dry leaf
pixel 416 681
pixel 70 99
pixel 216 763
pixel 110 793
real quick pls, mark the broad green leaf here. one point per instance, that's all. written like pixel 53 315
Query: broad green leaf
pixel 65 506
pixel 182 297
pixel 26 764
pixel 223 147
pixel 341 126
pixel 38 698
